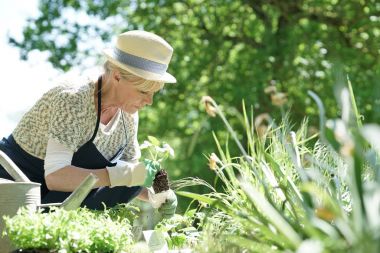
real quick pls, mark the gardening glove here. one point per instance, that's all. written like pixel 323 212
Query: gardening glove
pixel 151 167
pixel 133 174
pixel 167 209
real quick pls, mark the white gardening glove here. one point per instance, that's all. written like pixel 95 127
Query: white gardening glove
pixel 167 209
pixel 126 174
pixel 156 199
pixel 130 174
pixel 165 201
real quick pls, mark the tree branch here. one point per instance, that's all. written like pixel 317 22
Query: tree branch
pixel 256 6
pixel 243 39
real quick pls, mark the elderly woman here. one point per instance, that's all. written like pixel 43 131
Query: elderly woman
pixel 74 131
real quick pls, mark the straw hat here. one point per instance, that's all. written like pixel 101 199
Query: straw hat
pixel 144 54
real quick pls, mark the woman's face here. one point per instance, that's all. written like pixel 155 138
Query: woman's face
pixel 131 99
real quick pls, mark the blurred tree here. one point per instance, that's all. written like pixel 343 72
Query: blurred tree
pixel 229 49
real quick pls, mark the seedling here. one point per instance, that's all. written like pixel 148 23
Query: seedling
pixel 158 152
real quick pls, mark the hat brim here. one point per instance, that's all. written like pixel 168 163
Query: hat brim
pixel 166 77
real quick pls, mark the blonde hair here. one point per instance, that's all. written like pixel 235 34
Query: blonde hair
pixel 141 83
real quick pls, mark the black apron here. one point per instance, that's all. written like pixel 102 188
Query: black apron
pixel 87 156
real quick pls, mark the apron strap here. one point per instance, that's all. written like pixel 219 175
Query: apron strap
pixel 121 150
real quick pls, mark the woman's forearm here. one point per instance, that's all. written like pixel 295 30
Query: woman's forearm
pixel 68 178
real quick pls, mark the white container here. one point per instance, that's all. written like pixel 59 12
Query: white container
pixel 14 195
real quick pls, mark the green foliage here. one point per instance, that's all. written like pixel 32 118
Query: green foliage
pixel 181 231
pixel 123 211
pixel 230 50
pixel 285 196
pixel 222 45
pixel 81 230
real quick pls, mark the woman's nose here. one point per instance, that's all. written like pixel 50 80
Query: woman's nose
pixel 149 99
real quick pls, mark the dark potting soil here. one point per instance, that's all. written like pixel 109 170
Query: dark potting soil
pixel 161 181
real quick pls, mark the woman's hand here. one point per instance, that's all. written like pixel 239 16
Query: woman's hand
pixel 133 174
pixel 167 209
pixel 151 167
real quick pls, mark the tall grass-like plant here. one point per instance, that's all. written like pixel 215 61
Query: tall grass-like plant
pixel 284 196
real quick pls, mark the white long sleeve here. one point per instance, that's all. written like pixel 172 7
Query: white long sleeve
pixel 57 156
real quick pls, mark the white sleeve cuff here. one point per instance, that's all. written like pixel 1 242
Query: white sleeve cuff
pixel 57 156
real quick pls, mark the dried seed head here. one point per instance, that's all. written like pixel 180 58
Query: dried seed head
pixel 324 214
pixel 278 99
pixel 208 103
pixel 212 164
pixel 261 130
pixel 261 124
pixel 270 89
pixel 261 118
pixel 212 161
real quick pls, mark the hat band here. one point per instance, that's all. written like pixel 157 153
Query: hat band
pixel 139 62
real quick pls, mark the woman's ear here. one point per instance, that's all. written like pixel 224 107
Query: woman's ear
pixel 116 76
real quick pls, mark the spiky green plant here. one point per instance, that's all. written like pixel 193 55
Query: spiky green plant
pixel 285 196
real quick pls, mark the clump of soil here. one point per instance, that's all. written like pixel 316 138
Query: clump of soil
pixel 161 181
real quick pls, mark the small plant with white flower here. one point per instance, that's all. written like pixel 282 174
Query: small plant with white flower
pixel 158 151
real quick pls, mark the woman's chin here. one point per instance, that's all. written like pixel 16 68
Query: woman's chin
pixel 132 109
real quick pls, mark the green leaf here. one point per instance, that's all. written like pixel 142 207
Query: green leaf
pixel 153 140
pixel 353 104
pixel 272 214
pixel 196 196
pixel 178 239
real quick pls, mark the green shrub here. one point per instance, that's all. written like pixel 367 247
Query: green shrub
pixel 80 230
